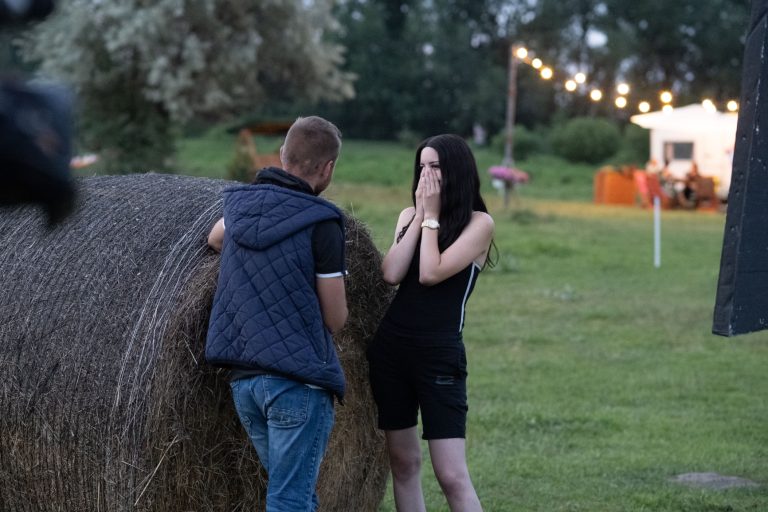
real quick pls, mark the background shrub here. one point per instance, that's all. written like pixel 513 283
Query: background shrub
pixel 636 143
pixel 240 168
pixel 635 147
pixel 585 139
pixel 526 142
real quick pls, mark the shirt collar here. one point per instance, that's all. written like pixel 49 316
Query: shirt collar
pixel 281 178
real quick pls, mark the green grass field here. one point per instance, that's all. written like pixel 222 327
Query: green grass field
pixel 594 377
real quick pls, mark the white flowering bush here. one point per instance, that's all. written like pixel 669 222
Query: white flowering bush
pixel 142 66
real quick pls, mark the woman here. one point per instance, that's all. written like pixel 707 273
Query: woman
pixel 417 358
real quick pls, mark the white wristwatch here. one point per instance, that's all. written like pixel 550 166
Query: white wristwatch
pixel 430 223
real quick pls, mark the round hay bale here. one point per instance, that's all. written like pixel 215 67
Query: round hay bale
pixel 105 402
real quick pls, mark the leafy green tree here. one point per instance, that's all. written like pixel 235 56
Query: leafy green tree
pixel 383 55
pixel 458 81
pixel 693 47
pixel 142 67
pixel 423 67
pixel 427 66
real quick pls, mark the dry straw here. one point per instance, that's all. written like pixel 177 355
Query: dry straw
pixel 105 402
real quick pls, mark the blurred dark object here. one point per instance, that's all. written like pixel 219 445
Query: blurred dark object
pixel 24 10
pixel 35 131
pixel 741 303
pixel 35 147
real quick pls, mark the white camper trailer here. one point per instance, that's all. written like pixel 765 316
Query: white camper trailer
pixel 693 134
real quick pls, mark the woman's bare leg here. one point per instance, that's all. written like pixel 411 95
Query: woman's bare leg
pixel 405 461
pixel 450 465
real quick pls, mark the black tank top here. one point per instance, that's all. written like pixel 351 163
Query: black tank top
pixel 430 311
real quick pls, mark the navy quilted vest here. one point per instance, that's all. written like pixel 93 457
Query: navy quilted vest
pixel 266 314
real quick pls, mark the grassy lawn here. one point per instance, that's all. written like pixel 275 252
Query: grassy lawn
pixel 594 377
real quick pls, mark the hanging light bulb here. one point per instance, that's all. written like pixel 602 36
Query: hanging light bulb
pixel 622 89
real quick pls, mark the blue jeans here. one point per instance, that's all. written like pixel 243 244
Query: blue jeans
pixel 289 424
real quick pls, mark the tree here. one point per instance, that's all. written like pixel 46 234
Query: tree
pixel 423 67
pixel 382 54
pixel 140 67
pixel 460 82
pixel 429 66
pixel 692 47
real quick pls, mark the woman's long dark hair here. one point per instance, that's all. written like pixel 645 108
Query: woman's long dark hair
pixel 460 187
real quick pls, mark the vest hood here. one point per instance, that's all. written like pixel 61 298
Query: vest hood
pixel 259 216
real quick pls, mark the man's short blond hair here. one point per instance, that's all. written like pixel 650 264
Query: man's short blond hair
pixel 310 143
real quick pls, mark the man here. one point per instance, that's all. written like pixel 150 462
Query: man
pixel 280 296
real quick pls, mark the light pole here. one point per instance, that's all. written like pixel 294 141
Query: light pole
pixel 509 160
pixel 505 176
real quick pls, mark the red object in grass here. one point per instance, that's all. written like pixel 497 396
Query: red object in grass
pixel 510 174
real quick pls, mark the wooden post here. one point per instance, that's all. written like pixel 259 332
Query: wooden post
pixel 509 160
pixel 245 140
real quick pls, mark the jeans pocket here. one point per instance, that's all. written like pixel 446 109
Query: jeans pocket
pixel 289 402
pixel 236 388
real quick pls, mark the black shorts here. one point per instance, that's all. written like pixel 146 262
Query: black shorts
pixel 408 374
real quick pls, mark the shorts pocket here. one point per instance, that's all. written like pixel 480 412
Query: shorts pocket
pixel 449 364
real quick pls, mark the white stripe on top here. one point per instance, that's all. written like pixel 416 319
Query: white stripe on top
pixel 333 274
pixel 475 268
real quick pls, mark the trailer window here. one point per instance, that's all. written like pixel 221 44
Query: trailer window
pixel 678 151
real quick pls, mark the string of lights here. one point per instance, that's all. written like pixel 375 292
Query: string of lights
pixel 621 101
